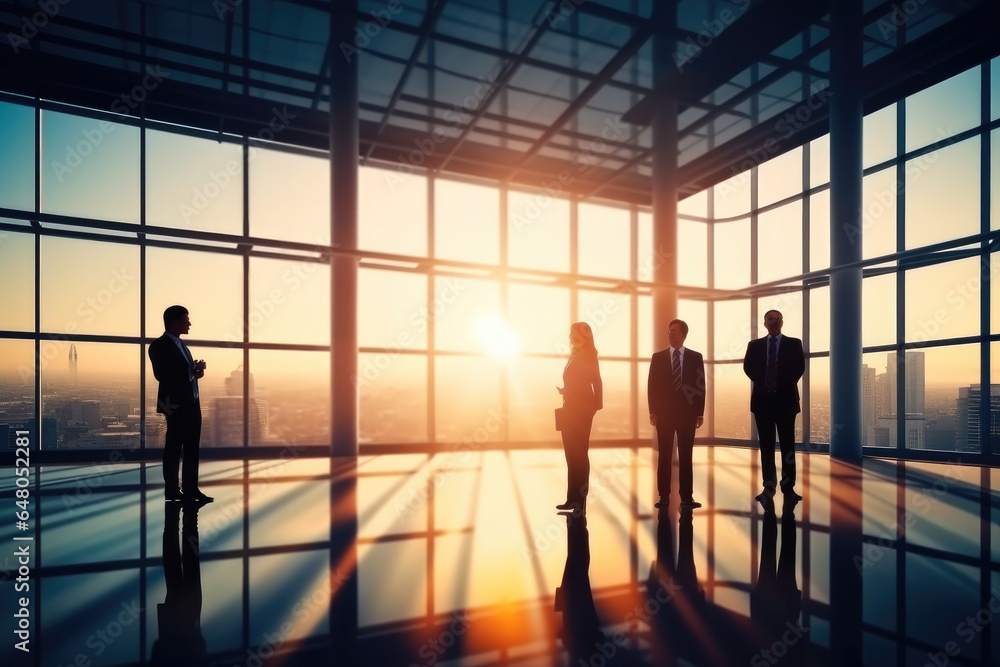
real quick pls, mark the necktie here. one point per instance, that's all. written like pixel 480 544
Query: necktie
pixel 677 370
pixel 771 377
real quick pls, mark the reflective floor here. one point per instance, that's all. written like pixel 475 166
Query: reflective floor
pixel 461 559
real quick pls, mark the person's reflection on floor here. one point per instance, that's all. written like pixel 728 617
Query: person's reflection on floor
pixel 178 617
pixel 580 633
pixel 775 600
pixel 674 600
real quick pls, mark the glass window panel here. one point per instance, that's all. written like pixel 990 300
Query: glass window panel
pixel 392 309
pixel 645 323
pixel 878 213
pixel 935 380
pixel 993 441
pixel 290 196
pixel 878 136
pixel 645 253
pixel 467 401
pixel 96 296
pixel 17 385
pixel 292 394
pixel 539 317
pixel 467 314
pixel 695 313
pixel 943 110
pixel 17 145
pixel 615 420
pixel 878 310
pixel 780 177
pixel 393 397
pixel 943 186
pixel 995 179
pixel 819 161
pixel 532 396
pixel 604 241
pixel 609 316
pixel 90 401
pixel 995 89
pixel 732 329
pixel 537 231
pixel 17 271
pixel 392 211
pixel 289 301
pixel 819 320
pixel 994 292
pixel 90 168
pixel 789 305
pixel 194 183
pixel 695 206
pixel 180 277
pixel 642 387
pixel 692 260
pixel 877 407
pixel 221 394
pixel 819 402
pixel 732 401
pixel 466 222
pixel 732 196
pixel 779 243
pixel 942 301
pixel 732 254
pixel 819 231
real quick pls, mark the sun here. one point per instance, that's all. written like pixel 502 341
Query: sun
pixel 495 336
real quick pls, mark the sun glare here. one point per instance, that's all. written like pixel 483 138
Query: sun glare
pixel 496 336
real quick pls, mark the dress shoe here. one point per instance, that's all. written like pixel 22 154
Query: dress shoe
pixel 790 494
pixel 197 497
pixel 690 504
pixel 170 494
pixel 566 506
pixel 662 502
pixel 765 497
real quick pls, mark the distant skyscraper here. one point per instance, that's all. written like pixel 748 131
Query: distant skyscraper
pixel 886 400
pixel 72 363
pixel 868 405
pixel 227 414
pixel 970 422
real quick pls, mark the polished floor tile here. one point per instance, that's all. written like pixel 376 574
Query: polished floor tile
pixel 461 559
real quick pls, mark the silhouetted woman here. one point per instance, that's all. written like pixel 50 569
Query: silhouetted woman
pixel 582 394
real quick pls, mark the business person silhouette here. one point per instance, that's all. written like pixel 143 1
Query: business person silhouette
pixel 177 399
pixel 775 600
pixel 676 397
pixel 583 396
pixel 775 363
pixel 178 617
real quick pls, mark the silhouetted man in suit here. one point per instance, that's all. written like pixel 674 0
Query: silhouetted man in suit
pixel 177 399
pixel 676 395
pixel 775 363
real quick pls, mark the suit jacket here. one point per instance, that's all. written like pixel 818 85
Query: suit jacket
pixel 791 366
pixel 582 386
pixel 173 371
pixel 689 402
